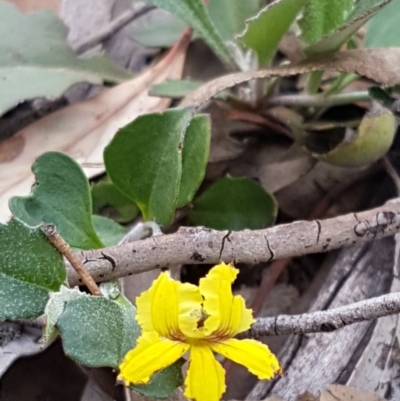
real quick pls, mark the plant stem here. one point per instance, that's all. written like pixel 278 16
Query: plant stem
pixel 319 100
pixel 314 79
pixel 51 233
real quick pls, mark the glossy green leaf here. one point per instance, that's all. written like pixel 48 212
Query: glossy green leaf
pixel 109 232
pixel 61 196
pixel 97 331
pixel 321 17
pixel 384 28
pixel 195 14
pixel 196 148
pixel 362 12
pixel 229 16
pixel 163 383
pixel 234 204
pixel 264 31
pixel 35 60
pixel 106 196
pixel 174 88
pixel 30 267
pixel 144 160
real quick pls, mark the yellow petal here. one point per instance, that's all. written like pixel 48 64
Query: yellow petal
pixel 228 314
pixel 157 308
pixel 205 380
pixel 190 310
pixel 252 354
pixel 151 354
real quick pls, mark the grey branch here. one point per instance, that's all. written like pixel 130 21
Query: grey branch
pixel 194 245
pixel 328 320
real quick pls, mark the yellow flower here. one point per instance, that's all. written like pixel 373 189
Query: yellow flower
pixel 176 318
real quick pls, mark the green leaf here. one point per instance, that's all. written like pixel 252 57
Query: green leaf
pixel 174 88
pixel 162 33
pixel 321 17
pixel 30 267
pixel 110 232
pixel 196 148
pixel 35 60
pixel 362 12
pixel 195 14
pixel 106 195
pixel 144 160
pixel 384 29
pixel 61 196
pixel 55 307
pixel 229 16
pixel 264 31
pixel 373 140
pixel 97 331
pixel 163 383
pixel 234 204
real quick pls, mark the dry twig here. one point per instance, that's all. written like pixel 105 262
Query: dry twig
pixel 194 245
pixel 111 28
pixel 328 320
pixel 51 233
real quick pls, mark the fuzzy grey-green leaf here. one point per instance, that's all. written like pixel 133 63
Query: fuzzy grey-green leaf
pixel 97 331
pixel 30 267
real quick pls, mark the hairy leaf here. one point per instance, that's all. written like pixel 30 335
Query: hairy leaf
pixel 195 14
pixel 321 17
pixel 264 31
pixel 362 12
pixel 30 267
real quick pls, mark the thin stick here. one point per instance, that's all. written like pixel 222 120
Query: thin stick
pixel 111 28
pixel 51 233
pixel 319 100
pixel 328 320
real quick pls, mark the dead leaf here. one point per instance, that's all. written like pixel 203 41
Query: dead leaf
pixel 34 5
pixel 337 392
pixel 381 65
pixel 83 129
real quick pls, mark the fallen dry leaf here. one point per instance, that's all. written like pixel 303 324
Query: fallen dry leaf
pixel 381 65
pixel 83 129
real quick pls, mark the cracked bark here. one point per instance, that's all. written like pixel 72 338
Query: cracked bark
pixel 201 245
pixel 311 362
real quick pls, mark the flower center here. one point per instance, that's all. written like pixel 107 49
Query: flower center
pixel 201 315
